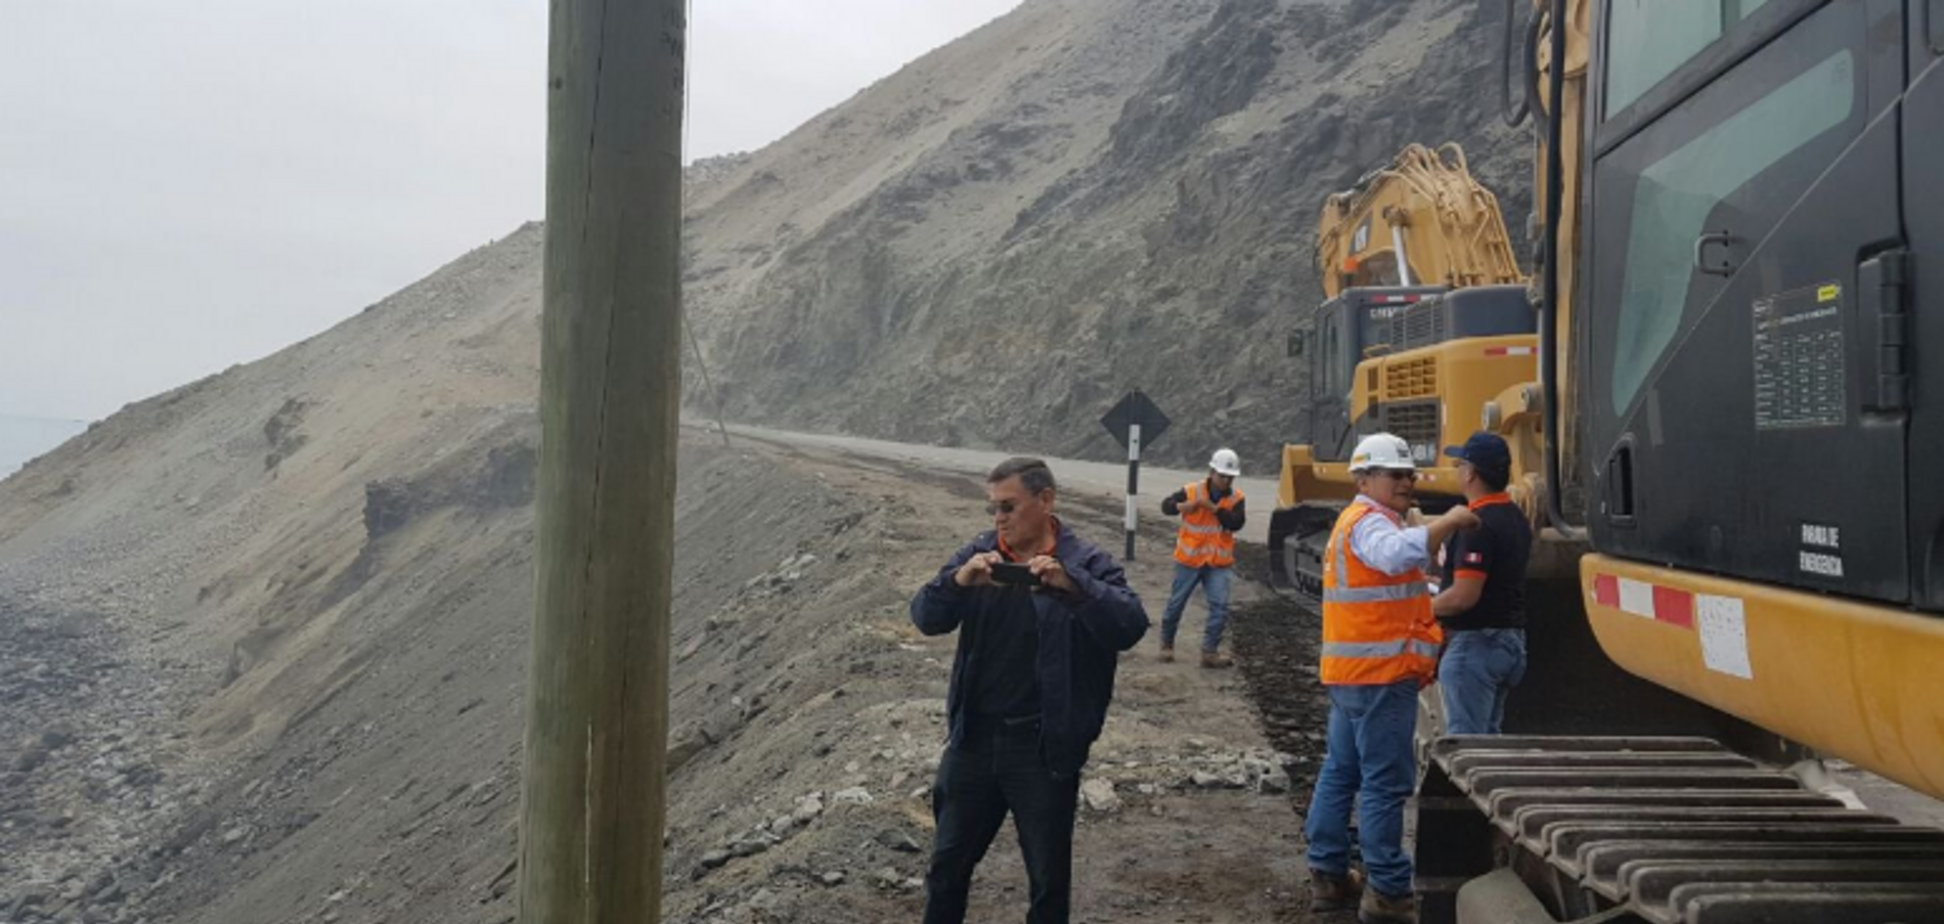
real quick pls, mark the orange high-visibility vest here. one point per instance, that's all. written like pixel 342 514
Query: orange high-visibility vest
pixel 1202 541
pixel 1377 627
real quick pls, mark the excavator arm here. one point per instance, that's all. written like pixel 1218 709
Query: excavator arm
pixel 1420 220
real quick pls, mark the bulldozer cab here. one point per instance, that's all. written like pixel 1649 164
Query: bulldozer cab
pixel 1745 339
pixel 1345 331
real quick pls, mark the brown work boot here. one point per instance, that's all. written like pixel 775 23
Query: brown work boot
pixel 1334 893
pixel 1167 653
pixel 1378 908
pixel 1216 659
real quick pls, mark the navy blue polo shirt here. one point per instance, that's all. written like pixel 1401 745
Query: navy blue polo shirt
pixel 1497 552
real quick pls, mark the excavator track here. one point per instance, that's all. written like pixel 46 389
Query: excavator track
pixel 1655 830
pixel 1297 537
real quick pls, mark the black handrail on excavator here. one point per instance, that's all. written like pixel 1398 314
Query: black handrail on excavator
pixel 1549 304
pixel 1528 72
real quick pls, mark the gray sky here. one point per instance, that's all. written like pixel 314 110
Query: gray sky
pixel 187 186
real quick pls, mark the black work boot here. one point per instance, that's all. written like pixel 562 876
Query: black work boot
pixel 1330 892
pixel 1378 908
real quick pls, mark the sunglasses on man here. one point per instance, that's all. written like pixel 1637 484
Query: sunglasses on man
pixel 1397 474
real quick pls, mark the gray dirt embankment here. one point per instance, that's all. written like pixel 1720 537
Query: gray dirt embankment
pixel 806 714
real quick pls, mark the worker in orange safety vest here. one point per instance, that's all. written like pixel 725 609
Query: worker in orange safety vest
pixel 1211 512
pixel 1380 645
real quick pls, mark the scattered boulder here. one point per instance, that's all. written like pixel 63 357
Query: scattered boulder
pixel 808 808
pixel 1202 779
pixel 1100 796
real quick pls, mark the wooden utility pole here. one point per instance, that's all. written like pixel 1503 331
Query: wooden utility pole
pixel 592 802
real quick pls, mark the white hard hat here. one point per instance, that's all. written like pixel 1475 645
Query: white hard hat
pixel 1382 450
pixel 1226 462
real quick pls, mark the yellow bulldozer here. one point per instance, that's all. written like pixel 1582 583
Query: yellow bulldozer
pixel 1720 423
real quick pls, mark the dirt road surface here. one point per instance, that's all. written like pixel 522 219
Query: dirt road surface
pixel 1101 479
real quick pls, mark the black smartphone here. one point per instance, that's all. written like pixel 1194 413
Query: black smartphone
pixel 1008 572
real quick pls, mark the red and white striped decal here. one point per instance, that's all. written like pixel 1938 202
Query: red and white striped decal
pixel 1722 621
pixel 1508 351
pixel 1640 598
pixel 1396 299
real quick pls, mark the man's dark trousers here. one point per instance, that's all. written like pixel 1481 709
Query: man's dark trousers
pixel 995 769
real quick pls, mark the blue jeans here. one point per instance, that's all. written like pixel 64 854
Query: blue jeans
pixel 1478 668
pixel 1215 589
pixel 1369 762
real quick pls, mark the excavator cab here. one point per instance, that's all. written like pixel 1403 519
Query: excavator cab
pixel 1341 333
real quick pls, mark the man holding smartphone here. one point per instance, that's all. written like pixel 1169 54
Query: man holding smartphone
pixel 1042 616
pixel 1211 512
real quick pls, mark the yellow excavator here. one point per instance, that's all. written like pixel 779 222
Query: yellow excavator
pixel 1427 332
pixel 1720 422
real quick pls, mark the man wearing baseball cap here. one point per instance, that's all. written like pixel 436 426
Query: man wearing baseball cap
pixel 1482 605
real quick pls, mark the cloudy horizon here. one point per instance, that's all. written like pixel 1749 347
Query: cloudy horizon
pixel 192 188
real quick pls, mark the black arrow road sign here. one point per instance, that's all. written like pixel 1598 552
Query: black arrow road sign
pixel 1137 409
pixel 1134 422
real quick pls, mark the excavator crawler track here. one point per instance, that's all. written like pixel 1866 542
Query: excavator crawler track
pixel 1297 537
pixel 1660 830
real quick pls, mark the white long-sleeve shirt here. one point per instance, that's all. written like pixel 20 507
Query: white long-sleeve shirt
pixel 1383 541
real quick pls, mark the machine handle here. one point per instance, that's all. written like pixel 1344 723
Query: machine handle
pixel 1701 243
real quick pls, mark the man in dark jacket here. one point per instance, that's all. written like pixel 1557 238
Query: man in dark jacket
pixel 1042 615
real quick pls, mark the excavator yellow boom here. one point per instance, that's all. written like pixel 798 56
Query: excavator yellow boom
pixel 1420 220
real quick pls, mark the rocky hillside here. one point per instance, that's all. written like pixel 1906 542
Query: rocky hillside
pixel 194 580
pixel 266 635
pixel 266 642
pixel 993 244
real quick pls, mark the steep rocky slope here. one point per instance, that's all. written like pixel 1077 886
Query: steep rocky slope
pixel 187 583
pixel 992 245
pixel 266 642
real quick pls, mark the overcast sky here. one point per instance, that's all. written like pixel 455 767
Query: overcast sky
pixel 188 186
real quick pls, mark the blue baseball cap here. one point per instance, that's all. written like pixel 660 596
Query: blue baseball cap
pixel 1486 452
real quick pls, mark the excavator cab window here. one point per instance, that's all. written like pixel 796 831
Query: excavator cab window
pixel 1647 40
pixel 1333 341
pixel 1329 380
pixel 1379 269
pixel 1346 327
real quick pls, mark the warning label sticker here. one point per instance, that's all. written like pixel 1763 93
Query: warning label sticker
pixel 1799 366
pixel 1724 635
